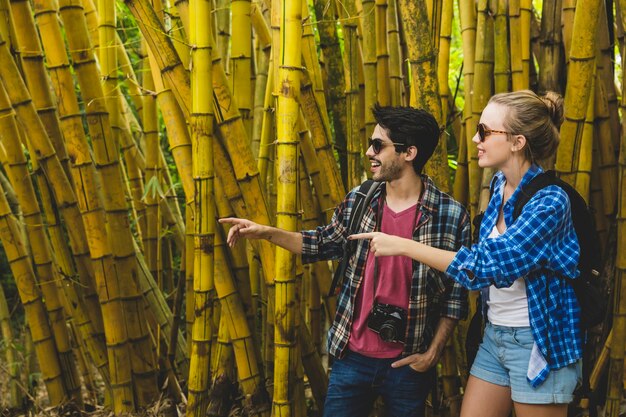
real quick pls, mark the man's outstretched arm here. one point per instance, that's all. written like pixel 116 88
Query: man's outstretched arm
pixel 292 241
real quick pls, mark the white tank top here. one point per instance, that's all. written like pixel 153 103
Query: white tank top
pixel 508 306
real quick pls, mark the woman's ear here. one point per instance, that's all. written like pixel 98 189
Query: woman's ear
pixel 519 141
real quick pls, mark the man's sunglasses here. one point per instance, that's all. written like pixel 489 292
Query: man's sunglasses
pixel 483 131
pixel 378 145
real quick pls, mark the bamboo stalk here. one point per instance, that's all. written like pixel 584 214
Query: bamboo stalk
pixel 502 66
pixel 581 71
pixel 424 87
pixel 287 306
pixel 443 59
pixel 204 209
pixel 240 62
pixel 336 97
pixel 14 390
pixel 395 54
pixel 467 16
pixel 383 93
pixel 354 101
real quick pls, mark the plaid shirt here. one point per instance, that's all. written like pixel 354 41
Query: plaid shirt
pixel 539 245
pixel 444 224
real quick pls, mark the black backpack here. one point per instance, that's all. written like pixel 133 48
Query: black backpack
pixel 362 199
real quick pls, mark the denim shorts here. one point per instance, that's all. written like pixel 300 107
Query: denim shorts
pixel 503 357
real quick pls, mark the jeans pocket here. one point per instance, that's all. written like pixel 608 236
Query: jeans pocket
pixel 523 337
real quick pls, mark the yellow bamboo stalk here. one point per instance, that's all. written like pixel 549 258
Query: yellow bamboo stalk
pixel 261 85
pixel 569 10
pixel 461 185
pixel 14 390
pixel 581 71
pixel 443 61
pixel 223 374
pixel 151 233
pixel 19 261
pixel 311 218
pixel 517 67
pixel 482 89
pixel 7 28
pixel 467 16
pixel 607 162
pixel 204 208
pixel 223 29
pixel 502 66
pixel 525 19
pixel 248 291
pixel 240 62
pixel 383 94
pixel 266 145
pixel 287 306
pixel 395 55
pixel 165 54
pixel 582 178
pixel 424 89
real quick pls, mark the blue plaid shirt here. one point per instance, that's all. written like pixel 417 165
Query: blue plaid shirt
pixel 444 224
pixel 540 245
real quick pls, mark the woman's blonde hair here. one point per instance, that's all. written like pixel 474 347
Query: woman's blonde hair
pixel 536 117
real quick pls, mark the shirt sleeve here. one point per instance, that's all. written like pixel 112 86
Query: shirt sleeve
pixel 326 242
pixel 526 246
pixel 455 304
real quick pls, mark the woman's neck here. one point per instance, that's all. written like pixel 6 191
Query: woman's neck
pixel 514 172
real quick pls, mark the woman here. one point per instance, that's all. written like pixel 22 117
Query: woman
pixel 530 354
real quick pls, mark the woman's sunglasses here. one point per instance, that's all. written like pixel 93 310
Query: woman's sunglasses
pixel 483 131
pixel 378 145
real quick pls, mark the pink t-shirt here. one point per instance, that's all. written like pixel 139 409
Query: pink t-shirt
pixel 393 287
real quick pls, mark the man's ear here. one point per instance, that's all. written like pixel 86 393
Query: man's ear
pixel 519 142
pixel 411 153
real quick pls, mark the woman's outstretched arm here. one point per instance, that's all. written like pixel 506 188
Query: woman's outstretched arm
pixel 382 244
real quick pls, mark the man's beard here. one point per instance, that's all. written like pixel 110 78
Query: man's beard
pixel 388 171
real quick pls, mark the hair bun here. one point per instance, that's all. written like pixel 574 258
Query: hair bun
pixel 554 102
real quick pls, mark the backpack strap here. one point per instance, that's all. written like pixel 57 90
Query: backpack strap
pixel 362 200
pixel 527 192
pixel 478 219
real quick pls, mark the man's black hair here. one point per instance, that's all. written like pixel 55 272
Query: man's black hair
pixel 411 126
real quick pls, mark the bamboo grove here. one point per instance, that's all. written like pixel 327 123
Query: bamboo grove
pixel 128 127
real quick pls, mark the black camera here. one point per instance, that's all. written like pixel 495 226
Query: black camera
pixel 388 321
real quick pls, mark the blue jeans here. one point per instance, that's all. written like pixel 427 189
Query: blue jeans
pixel 356 381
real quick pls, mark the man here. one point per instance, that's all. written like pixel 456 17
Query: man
pixel 394 315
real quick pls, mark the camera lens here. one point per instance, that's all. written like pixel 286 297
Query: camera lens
pixel 387 332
